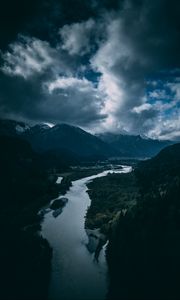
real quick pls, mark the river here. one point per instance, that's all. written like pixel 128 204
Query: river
pixel 75 274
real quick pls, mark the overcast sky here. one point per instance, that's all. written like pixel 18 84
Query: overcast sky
pixel 104 65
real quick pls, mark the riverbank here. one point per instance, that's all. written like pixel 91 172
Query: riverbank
pixel 64 183
pixel 109 196
pixel 79 172
pixel 96 241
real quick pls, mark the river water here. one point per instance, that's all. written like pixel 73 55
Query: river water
pixel 75 274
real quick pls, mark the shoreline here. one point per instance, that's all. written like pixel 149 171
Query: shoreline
pixel 96 241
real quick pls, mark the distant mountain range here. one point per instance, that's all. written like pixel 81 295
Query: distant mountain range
pixel 133 146
pixel 75 144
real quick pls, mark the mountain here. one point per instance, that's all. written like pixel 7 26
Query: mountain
pixel 74 144
pixel 167 158
pixel 12 128
pixel 161 168
pixel 133 146
pixel 67 138
pixel 144 246
pixel 70 142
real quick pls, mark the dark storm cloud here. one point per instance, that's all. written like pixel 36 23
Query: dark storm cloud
pixel 43 18
pixel 122 44
pixel 75 102
pixel 38 84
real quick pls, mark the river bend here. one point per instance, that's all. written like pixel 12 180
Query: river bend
pixel 75 274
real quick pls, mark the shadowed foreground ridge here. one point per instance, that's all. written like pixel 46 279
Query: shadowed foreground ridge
pixel 144 249
pixel 25 187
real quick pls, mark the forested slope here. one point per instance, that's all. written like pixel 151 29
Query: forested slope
pixel 144 249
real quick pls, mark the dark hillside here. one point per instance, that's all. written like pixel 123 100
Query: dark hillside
pixel 25 187
pixel 144 249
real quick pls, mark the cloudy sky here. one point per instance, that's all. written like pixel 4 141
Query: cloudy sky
pixel 104 65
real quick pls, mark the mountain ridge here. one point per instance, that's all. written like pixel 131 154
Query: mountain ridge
pixel 134 145
pixel 80 143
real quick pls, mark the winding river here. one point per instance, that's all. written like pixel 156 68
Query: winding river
pixel 75 274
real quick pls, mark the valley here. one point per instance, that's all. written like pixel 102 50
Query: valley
pixel 115 217
pixel 90 150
